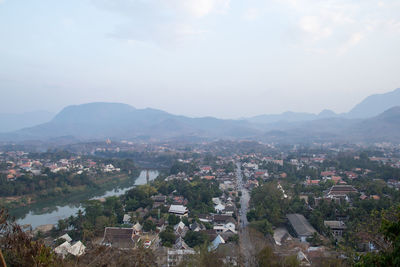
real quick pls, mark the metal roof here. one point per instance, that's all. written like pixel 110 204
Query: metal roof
pixel 300 224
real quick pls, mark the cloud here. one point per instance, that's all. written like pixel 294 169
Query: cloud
pixel 313 27
pixel 354 39
pixel 251 14
pixel 162 21
pixel 340 24
pixel 200 8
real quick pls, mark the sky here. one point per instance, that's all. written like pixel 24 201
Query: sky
pixel 222 58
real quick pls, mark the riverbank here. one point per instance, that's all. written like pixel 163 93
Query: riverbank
pixel 49 212
pixel 99 183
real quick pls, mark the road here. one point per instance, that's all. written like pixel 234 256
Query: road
pixel 246 246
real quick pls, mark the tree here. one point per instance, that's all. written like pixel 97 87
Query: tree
pixel 167 238
pixel 194 239
pixel 149 226
pixel 391 255
pixel 264 226
pixel 19 249
pixel 173 220
pixel 314 240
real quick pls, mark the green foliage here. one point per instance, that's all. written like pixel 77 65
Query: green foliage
pixel 173 219
pixel 148 225
pixel 314 240
pixel 194 239
pixel 139 197
pixel 391 255
pixel 234 239
pixel 188 168
pixel 198 192
pixel 264 226
pixel 167 237
pixel 19 249
pixel 268 203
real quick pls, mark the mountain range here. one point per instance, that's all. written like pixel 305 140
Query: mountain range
pixel 371 106
pixel 377 118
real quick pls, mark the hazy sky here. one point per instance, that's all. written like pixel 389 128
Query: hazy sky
pixel 225 58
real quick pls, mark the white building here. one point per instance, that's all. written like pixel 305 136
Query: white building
pixel 178 210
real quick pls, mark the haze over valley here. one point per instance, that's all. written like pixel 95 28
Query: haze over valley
pixel 201 133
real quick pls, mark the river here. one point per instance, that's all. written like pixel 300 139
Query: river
pixel 52 214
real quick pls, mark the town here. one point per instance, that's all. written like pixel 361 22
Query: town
pixel 231 203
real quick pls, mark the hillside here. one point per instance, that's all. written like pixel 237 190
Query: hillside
pixel 103 120
pixel 375 104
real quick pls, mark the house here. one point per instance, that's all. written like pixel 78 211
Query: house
pixel 181 229
pixel 216 200
pixel 300 226
pixel 179 200
pixel 223 223
pixel 159 200
pixel 180 244
pixel 62 249
pixel 122 238
pixel 78 249
pixel 229 209
pixel 65 237
pixel 161 225
pixel 127 219
pixel 215 243
pixel 219 208
pixel 205 169
pixel 312 182
pixel 336 179
pixel 351 175
pixel 137 229
pixel 337 227
pixel 205 218
pixel 195 227
pixel 178 210
pixel 326 174
pixel 65 248
pixel 210 233
pixel 222 219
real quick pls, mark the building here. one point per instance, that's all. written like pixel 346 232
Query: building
pixel 337 227
pixel 178 210
pixel 300 226
pixel 122 238
pixel 176 256
pixel 341 190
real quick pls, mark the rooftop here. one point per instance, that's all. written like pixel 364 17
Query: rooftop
pixel 300 224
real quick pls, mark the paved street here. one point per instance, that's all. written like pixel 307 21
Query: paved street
pixel 246 246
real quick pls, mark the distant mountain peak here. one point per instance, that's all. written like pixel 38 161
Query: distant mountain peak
pixel 327 113
pixel 88 112
pixel 374 105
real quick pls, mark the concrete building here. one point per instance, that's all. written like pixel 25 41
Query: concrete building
pixel 300 226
